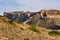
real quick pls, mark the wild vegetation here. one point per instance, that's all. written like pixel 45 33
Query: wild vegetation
pixel 14 30
pixel 33 28
pixel 54 33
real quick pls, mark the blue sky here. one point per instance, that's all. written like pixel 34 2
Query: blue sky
pixel 28 5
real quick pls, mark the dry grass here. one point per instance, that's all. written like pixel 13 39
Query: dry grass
pixel 16 31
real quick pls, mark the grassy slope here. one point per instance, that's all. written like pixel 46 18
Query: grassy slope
pixel 17 31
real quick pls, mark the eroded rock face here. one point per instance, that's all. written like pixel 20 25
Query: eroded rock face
pixel 50 12
pixel 41 18
pixel 20 16
pixel 54 14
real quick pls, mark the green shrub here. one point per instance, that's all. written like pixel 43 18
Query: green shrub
pixel 54 33
pixel 2 28
pixel 26 39
pixel 21 28
pixel 10 21
pixel 33 28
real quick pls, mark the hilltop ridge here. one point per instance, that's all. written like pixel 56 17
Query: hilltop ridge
pixel 18 31
pixel 38 26
pixel 35 17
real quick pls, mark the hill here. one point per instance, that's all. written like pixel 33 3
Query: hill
pixel 13 30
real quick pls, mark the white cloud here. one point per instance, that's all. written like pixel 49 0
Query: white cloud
pixel 36 4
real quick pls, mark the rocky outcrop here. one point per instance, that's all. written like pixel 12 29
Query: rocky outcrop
pixel 54 14
pixel 42 18
pixel 20 16
pixel 50 12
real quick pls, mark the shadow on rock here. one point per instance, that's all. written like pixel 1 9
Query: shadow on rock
pixel 56 27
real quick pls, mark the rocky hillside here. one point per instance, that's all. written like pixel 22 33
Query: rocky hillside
pixel 14 30
pixel 34 16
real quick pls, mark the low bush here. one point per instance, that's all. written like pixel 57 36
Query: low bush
pixel 26 39
pixel 33 28
pixel 1 28
pixel 54 33
pixel 21 28
pixel 10 21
